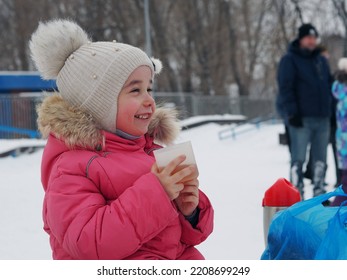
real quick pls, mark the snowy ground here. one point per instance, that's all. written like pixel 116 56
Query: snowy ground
pixel 202 119
pixel 233 173
pixel 6 145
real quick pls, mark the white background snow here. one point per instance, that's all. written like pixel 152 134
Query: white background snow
pixel 234 173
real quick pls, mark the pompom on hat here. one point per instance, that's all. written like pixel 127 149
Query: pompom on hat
pixel 89 75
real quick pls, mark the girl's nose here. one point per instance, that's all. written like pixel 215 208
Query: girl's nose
pixel 149 100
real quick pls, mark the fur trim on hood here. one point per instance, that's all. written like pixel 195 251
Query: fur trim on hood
pixel 78 128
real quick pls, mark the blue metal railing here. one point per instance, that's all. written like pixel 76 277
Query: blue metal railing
pixel 235 130
pixel 17 111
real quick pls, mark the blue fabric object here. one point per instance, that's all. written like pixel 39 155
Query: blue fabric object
pixel 304 82
pixel 334 245
pixel 339 91
pixel 308 231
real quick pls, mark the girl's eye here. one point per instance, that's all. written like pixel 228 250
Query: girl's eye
pixel 137 90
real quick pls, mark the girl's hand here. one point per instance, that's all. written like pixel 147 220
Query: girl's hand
pixel 188 198
pixel 194 175
pixel 171 180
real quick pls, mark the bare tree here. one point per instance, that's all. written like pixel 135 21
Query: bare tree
pixel 206 46
pixel 340 6
pixel 298 9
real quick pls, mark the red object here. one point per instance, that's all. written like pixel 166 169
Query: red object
pixel 281 194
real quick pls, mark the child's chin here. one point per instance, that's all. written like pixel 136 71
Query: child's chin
pixel 141 131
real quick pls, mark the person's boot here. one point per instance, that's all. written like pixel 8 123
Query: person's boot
pixel 308 174
pixel 319 170
pixel 339 199
pixel 296 177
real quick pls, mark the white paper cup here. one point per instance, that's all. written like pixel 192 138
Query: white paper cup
pixel 165 155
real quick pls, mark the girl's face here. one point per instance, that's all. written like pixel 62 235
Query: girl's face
pixel 135 103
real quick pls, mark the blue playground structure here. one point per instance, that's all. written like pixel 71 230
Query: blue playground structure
pixel 24 81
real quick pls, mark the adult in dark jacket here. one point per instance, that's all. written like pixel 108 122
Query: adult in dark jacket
pixel 305 97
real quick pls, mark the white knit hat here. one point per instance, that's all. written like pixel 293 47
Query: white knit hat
pixel 90 75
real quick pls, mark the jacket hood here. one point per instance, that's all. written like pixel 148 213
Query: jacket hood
pixel 294 47
pixel 79 129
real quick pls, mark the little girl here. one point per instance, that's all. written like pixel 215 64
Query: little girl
pixel 105 198
pixel 339 91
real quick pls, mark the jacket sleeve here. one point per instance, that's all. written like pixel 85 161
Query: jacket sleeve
pixel 194 236
pixel 88 227
pixel 286 84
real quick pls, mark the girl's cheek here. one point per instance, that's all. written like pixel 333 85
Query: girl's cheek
pixel 133 106
pixel 128 105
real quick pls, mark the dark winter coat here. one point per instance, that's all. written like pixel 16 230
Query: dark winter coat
pixel 304 82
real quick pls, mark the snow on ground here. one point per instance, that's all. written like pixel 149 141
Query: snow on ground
pixel 202 119
pixel 6 145
pixel 234 173
pixel 21 233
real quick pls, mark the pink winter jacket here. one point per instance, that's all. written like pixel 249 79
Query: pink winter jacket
pixel 103 202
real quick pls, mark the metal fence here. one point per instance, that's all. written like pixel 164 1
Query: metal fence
pixel 18 115
pixel 193 105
